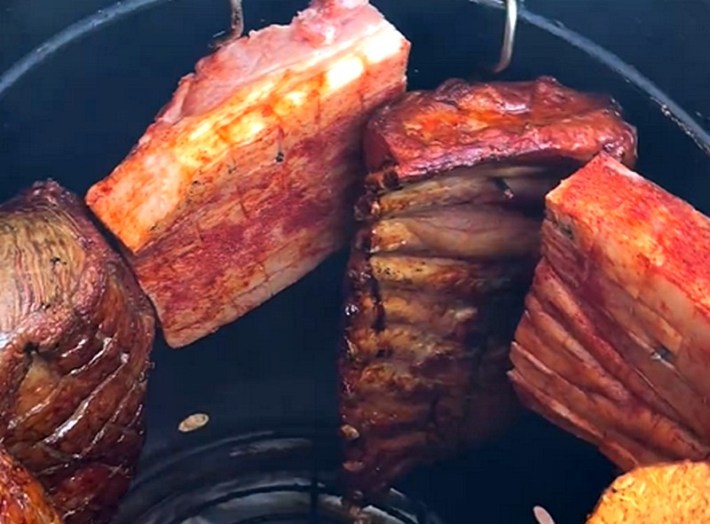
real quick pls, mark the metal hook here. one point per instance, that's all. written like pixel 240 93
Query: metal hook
pixel 236 25
pixel 506 51
pixel 237 17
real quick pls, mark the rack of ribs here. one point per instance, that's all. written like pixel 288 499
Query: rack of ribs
pixel 447 243
pixel 614 345
pixel 245 181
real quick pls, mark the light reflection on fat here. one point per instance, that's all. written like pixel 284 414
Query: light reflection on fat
pixel 246 128
pixel 256 126
pixel 205 128
pixel 344 72
pixel 382 46
pixel 297 98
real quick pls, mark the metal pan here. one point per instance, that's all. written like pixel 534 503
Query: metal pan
pixel 73 107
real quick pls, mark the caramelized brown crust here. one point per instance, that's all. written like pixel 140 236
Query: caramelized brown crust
pixel 615 341
pixel 460 124
pixel 75 337
pixel 672 493
pixel 22 498
pixel 448 241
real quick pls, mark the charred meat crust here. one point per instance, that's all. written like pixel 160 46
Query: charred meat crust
pixel 459 124
pixel 615 342
pixel 446 247
pixel 22 498
pixel 75 337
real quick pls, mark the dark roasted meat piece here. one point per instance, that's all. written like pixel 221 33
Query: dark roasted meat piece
pixel 614 345
pixel 75 337
pixel 245 181
pixel 22 498
pixel 448 241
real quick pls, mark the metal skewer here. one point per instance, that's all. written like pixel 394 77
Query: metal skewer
pixel 237 17
pixel 236 25
pixel 506 51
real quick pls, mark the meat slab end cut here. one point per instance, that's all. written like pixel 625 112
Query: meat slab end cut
pixel 614 344
pixel 22 498
pixel 75 336
pixel 676 492
pixel 245 182
pixel 445 252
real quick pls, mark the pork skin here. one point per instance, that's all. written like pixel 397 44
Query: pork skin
pixel 245 181
pixel 447 243
pixel 614 345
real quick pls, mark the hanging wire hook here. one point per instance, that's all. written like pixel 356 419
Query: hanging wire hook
pixel 236 25
pixel 237 17
pixel 506 51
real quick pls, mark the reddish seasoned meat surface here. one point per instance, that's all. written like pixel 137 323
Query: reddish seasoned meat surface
pixel 22 498
pixel 614 345
pixel 245 181
pixel 75 337
pixel 669 493
pixel 447 243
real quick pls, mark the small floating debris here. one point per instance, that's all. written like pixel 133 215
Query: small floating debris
pixel 542 516
pixel 193 422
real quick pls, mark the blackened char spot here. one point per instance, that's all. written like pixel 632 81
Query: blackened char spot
pixel 366 208
pixel 391 180
pixel 504 188
pixel 363 241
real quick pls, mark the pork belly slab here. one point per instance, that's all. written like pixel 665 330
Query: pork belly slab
pixel 615 342
pixel 245 181
pixel 446 247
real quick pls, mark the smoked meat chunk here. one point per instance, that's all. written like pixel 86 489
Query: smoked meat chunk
pixel 614 345
pixel 245 181
pixel 22 498
pixel 75 338
pixel 445 252
pixel 668 493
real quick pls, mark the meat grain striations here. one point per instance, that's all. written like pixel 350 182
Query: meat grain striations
pixel 614 345
pixel 75 337
pixel 447 243
pixel 22 498
pixel 245 181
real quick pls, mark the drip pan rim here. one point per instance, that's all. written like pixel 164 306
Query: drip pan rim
pixel 285 476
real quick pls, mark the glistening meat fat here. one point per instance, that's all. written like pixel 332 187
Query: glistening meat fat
pixel 445 251
pixel 75 338
pixel 245 181
pixel 22 498
pixel 614 345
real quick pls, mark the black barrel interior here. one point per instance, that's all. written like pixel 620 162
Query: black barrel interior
pixel 74 115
